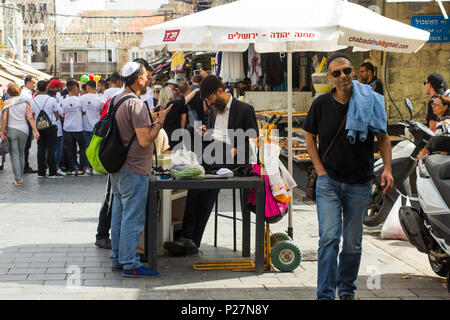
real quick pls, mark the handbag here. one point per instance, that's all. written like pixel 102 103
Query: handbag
pixel 312 173
pixel 4 145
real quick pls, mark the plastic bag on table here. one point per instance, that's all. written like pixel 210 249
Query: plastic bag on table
pixel 392 228
pixel 185 165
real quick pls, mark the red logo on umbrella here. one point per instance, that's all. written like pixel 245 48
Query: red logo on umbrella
pixel 171 35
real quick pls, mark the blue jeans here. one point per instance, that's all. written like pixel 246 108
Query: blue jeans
pixel 87 135
pixel 341 208
pixel 128 217
pixel 58 151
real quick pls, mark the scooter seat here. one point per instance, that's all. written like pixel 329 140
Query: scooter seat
pixel 438 167
pixel 444 171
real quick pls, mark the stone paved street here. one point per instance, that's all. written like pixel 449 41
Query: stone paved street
pixel 47 234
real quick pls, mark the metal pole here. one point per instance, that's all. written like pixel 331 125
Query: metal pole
pixel 289 70
pixel 106 49
pixel 54 11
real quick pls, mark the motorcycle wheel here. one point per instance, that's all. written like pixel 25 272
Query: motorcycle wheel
pixel 379 207
pixel 440 266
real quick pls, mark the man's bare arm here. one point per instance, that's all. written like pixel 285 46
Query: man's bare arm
pixel 314 153
pixel 384 144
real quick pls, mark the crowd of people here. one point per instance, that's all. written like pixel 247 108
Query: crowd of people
pixel 71 110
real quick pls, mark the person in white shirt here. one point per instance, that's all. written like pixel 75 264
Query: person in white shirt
pixel 47 141
pixel 59 136
pixel 116 86
pixel 73 128
pixel 15 116
pixel 27 94
pixel 92 106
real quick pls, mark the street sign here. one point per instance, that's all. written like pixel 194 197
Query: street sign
pixel 437 26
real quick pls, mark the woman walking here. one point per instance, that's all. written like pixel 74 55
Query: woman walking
pixel 15 113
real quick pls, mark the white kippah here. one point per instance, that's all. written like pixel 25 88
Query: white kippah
pixel 130 68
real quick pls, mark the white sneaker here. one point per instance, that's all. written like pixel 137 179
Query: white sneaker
pixel 61 173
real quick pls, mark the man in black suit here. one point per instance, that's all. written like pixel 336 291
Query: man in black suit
pixel 227 114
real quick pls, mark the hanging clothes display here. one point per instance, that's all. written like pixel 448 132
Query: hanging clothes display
pixel 254 65
pixel 232 67
pixel 217 64
pixel 177 64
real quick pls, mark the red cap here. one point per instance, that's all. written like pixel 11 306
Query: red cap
pixel 56 83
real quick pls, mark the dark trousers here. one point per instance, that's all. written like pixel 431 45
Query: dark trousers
pixel 47 145
pixel 71 139
pixel 28 146
pixel 104 219
pixel 199 205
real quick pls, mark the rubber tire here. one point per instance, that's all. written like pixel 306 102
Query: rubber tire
pixel 438 266
pixel 286 256
pixel 383 212
pixel 277 237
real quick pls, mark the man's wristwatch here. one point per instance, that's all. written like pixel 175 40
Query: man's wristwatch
pixel 157 123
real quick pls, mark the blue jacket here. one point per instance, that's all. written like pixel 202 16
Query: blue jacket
pixel 366 112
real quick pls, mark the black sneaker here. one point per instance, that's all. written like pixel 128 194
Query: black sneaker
pixel 181 246
pixel 347 297
pixel 103 243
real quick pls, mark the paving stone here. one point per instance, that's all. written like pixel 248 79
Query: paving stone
pixel 393 293
pixel 438 292
pixel 104 296
pixel 26 270
pixel 66 296
pixel 47 276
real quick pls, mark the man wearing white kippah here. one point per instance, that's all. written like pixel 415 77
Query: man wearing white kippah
pixel 130 183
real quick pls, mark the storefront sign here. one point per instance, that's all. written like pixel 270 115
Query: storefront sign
pixel 437 26
pixel 171 35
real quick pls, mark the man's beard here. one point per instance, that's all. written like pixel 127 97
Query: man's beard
pixel 219 105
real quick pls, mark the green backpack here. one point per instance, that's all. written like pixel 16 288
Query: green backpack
pixel 104 128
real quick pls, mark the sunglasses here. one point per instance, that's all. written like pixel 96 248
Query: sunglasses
pixel 437 105
pixel 425 83
pixel 337 73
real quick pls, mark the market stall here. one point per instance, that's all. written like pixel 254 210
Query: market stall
pixel 285 26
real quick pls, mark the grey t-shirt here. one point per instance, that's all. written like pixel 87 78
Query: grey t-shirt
pixel 133 114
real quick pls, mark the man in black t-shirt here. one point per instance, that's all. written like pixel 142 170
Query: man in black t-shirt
pixel 367 73
pixel 344 183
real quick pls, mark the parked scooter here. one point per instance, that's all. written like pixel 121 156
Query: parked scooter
pixel 428 228
pixel 403 164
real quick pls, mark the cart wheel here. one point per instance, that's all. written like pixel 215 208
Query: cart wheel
pixel 277 237
pixel 286 256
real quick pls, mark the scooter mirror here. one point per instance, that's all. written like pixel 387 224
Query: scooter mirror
pixel 410 107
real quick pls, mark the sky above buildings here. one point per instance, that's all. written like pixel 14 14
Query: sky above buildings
pixel 77 6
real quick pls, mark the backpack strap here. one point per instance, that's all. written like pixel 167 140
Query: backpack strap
pixel 45 103
pixel 112 109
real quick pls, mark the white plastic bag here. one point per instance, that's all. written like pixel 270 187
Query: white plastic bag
pixel 185 165
pixel 392 228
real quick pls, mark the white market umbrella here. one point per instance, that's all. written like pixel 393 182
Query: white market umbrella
pixel 285 26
